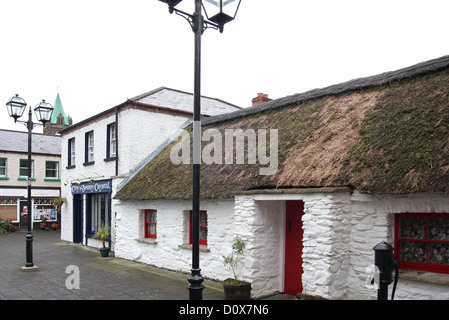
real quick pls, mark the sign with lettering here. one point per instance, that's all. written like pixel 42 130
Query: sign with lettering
pixel 104 186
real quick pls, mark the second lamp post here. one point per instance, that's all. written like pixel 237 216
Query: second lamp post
pixel 223 11
pixel 16 106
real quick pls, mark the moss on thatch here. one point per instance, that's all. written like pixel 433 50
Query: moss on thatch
pixel 404 141
pixel 392 137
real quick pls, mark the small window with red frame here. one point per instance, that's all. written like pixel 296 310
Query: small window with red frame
pixel 150 224
pixel 203 227
pixel 422 241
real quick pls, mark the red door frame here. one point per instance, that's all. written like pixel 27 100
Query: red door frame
pixel 294 209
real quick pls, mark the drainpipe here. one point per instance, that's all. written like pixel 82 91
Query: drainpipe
pixel 116 141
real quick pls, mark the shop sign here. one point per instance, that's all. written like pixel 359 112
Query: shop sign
pixel 95 187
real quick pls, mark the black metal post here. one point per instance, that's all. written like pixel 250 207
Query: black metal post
pixel 196 287
pixel 383 260
pixel 29 236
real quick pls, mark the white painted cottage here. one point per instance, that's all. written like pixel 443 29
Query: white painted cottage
pixel 357 163
pixel 100 151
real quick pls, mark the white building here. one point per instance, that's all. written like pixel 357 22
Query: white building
pixel 99 152
pixel 358 163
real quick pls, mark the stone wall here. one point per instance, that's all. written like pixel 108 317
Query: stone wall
pixel 171 249
pixel 372 221
pixel 340 231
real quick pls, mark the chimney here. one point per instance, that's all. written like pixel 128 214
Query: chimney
pixel 261 98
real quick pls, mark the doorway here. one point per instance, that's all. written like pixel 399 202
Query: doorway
pixel 294 209
pixel 23 214
pixel 77 218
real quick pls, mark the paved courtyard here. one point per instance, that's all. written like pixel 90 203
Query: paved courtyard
pixel 99 278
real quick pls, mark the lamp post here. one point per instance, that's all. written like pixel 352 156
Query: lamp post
pixel 223 11
pixel 16 106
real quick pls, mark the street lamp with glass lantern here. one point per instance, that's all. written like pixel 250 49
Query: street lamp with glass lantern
pixel 220 12
pixel 43 110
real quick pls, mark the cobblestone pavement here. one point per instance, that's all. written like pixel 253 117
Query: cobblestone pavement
pixel 100 278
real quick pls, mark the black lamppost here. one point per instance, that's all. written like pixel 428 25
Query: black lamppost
pixel 222 12
pixel 16 106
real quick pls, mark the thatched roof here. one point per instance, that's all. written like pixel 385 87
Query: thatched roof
pixel 385 134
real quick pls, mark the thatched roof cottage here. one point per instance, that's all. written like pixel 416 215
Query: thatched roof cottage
pixel 355 164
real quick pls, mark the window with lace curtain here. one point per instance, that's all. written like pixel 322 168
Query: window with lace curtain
pixel 422 241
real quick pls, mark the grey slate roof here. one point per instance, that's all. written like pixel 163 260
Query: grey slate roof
pixel 17 141
pixel 170 99
pixel 180 100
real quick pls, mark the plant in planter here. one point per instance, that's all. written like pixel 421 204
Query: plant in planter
pixel 234 288
pixel 43 225
pixel 102 234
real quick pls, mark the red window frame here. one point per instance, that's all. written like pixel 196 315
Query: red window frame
pixel 148 223
pixel 413 265
pixel 203 228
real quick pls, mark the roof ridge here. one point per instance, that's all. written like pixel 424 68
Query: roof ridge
pixel 344 87
pixel 180 91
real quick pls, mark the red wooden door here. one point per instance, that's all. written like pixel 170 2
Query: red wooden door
pixel 293 247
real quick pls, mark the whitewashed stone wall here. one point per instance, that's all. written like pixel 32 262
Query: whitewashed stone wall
pixel 326 244
pixel 260 221
pixel 372 221
pixel 170 250
pixel 258 224
pixel 340 231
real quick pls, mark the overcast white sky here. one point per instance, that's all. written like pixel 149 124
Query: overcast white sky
pixel 101 52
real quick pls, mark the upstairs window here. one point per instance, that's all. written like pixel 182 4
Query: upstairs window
pixel 422 241
pixel 89 149
pixel 3 168
pixel 71 153
pixel 23 170
pixel 111 142
pixel 52 170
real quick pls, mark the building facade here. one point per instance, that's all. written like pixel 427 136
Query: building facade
pixel 45 181
pixel 358 163
pixel 100 152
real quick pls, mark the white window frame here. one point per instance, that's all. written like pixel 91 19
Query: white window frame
pixel 4 167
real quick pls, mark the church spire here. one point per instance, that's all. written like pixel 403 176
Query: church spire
pixel 58 119
pixel 58 110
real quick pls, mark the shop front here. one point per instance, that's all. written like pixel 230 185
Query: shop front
pixel 14 207
pixel 91 208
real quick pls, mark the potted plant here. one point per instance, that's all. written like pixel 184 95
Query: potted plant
pixel 102 234
pixel 234 288
pixel 44 219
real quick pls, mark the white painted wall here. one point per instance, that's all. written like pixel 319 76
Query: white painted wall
pixel 372 221
pixel 172 233
pixel 139 134
pixel 340 231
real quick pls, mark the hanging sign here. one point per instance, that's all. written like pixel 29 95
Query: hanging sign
pixel 104 186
